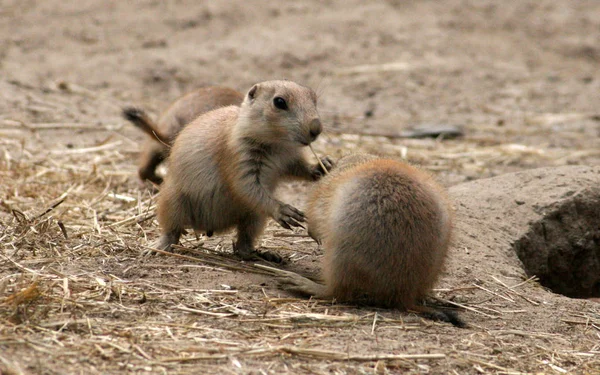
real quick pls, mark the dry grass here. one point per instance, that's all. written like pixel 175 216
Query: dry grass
pixel 76 293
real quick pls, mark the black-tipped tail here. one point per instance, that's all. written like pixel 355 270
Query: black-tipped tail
pixel 444 316
pixel 137 117
pixel 133 114
pixel 140 119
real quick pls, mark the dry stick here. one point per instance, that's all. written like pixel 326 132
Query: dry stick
pixel 318 159
pixel 532 278
pixel 290 235
pixel 284 248
pixel 160 140
pixel 211 262
pixel 63 323
pixel 29 270
pixel 306 318
pixel 453 289
pixel 156 265
pixel 374 322
pixel 63 125
pixel 11 367
pixel 469 308
pixel 487 364
pixel 586 323
pixel 86 150
pixel 191 359
pixel 374 134
pixel 63 229
pixel 143 353
pixel 311 353
pixel 275 271
pixel 202 312
pixel 178 325
pixel 494 293
pixel 212 254
pixel 535 303
pixel 137 218
pixel 326 354
pixel 500 282
pixel 524 333
pixel 58 202
pixel 280 272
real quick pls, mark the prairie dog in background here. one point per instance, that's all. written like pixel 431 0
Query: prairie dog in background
pixel 385 228
pixel 225 165
pixel 162 133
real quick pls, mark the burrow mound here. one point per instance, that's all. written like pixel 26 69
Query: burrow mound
pixel 562 248
pixel 543 222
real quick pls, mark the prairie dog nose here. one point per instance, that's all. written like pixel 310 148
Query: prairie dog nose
pixel 315 128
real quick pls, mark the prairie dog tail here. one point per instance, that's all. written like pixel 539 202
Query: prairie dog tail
pixel 140 119
pixel 440 314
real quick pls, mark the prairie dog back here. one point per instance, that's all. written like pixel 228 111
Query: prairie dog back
pixel 192 105
pixel 162 133
pixel 385 228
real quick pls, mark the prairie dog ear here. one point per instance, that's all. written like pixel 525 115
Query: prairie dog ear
pixel 252 92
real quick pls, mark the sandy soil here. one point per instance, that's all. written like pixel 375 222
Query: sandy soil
pixel 520 77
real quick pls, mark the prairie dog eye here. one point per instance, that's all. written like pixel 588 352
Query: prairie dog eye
pixel 280 103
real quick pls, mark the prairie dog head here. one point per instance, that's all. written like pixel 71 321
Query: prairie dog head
pixel 280 112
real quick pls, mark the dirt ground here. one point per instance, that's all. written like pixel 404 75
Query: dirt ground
pixel 520 77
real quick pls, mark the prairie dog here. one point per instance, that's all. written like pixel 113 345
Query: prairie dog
pixel 225 165
pixel 180 113
pixel 385 228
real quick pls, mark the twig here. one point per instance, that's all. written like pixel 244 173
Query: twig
pixel 524 333
pixel 202 312
pixel 302 235
pixel 63 125
pixel 487 364
pixel 63 229
pixel 86 150
pixel 10 367
pixel 318 159
pixel 57 203
pixel 494 293
pixel 207 261
pixel 449 133
pixel 311 353
pixel 275 271
pixel 374 323
pixel 469 308
pixel 27 269
pixel 63 323
pixel 325 354
pixel 136 218
pixel 535 303
pixel 532 278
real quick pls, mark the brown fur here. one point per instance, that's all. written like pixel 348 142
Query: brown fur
pixel 226 164
pixel 385 227
pixel 180 113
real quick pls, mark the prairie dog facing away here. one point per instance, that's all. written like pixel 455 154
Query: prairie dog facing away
pixel 225 165
pixel 162 133
pixel 385 228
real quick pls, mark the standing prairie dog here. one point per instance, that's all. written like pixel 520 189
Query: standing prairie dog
pixel 385 228
pixel 225 165
pixel 180 113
